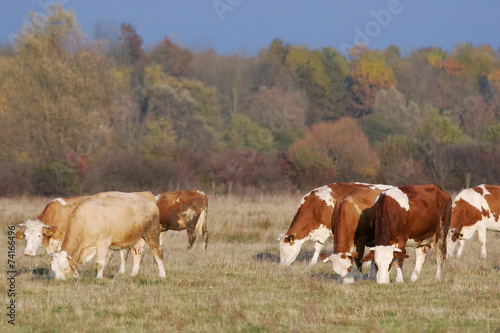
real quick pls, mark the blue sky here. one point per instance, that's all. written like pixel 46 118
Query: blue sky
pixel 249 25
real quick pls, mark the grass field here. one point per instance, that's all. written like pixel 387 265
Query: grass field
pixel 238 285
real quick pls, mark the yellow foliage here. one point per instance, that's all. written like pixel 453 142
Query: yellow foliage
pixel 300 57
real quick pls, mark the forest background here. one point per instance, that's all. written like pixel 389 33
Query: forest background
pixel 82 114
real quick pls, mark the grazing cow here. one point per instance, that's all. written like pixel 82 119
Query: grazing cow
pixel 184 210
pixel 413 215
pixel 313 221
pixel 49 228
pixel 474 209
pixel 352 231
pixel 109 220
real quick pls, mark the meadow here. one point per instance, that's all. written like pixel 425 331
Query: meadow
pixel 238 285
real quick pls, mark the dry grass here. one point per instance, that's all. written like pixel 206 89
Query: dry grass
pixel 237 285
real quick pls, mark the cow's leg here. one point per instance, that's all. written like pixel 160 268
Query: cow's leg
pixel 191 237
pixel 481 236
pixel 399 270
pixel 440 256
pixel 461 244
pixel 373 271
pixel 162 238
pixel 102 257
pixel 419 261
pixel 153 240
pixel 137 254
pixel 201 228
pixel 123 261
pixel 318 246
pixel 109 256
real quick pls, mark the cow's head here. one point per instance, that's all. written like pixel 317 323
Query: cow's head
pixel 343 265
pixel 451 241
pixel 289 248
pixel 33 231
pixel 384 256
pixel 62 266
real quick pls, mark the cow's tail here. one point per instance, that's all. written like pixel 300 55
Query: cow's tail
pixel 444 227
pixel 201 227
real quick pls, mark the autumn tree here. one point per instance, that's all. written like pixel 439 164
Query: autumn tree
pixel 282 112
pixel 57 90
pixel 369 73
pixel 338 151
pixel 175 59
pixel 309 72
pixel 433 135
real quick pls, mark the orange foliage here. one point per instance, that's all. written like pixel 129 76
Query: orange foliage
pixel 341 146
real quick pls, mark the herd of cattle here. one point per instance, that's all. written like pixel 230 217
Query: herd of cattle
pixel 388 219
pixel 384 218
pixel 74 230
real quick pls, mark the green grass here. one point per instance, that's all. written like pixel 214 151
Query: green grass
pixel 238 285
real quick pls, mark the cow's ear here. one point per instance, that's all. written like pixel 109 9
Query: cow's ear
pixel 20 234
pixel 49 232
pixel 325 257
pixel 369 257
pixel 355 255
pixel 400 255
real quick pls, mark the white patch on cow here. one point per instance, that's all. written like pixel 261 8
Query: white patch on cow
pixel 157 197
pixel 473 198
pixel 61 201
pixel 321 234
pixel 201 192
pixel 325 194
pixel 400 197
pixel 381 187
pixel 383 258
pixel 189 214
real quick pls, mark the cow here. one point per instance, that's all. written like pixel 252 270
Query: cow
pixel 109 220
pixel 181 210
pixel 474 209
pixel 49 228
pixel 416 216
pixel 352 231
pixel 313 221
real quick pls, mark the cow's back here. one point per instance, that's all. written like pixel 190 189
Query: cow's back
pixel 174 205
pixel 120 216
pixel 352 216
pixel 410 212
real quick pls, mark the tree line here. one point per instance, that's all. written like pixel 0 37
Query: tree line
pixel 82 114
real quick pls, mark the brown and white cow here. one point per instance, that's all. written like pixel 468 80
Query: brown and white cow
pixel 184 210
pixel 109 220
pixel 313 221
pixel 49 228
pixel 352 230
pixel 412 215
pixel 474 209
